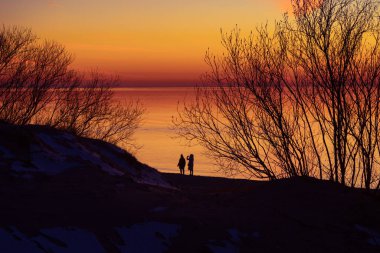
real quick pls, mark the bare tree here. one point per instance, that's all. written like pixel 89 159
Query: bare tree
pixel 37 86
pixel 30 70
pixel 328 44
pixel 297 100
pixel 246 119
pixel 87 108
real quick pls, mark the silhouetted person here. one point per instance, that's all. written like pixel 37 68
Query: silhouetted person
pixel 190 164
pixel 182 164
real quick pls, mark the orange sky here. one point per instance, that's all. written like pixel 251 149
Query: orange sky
pixel 148 42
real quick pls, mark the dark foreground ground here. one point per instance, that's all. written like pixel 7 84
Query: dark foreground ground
pixel 212 214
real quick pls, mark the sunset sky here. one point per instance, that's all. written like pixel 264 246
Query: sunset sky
pixel 145 42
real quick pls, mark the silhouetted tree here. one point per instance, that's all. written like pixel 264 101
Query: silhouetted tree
pixel 333 50
pixel 88 109
pixel 246 119
pixel 29 70
pixel 301 99
pixel 38 86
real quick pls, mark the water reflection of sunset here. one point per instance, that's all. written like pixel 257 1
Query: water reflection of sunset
pixel 159 148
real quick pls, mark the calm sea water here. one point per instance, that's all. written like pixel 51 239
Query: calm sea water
pixel 159 147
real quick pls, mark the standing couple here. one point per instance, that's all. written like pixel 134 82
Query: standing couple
pixel 182 164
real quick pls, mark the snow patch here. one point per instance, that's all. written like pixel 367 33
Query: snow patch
pixel 223 247
pixel 54 240
pixel 232 244
pixel 374 236
pixel 53 152
pixel 150 177
pixel 50 164
pixel 71 240
pixel 88 155
pixel 147 237
pixel 227 246
pixel 71 150
pixel 15 242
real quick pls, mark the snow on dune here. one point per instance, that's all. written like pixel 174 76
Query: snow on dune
pixel 34 149
pixel 59 152
pixel 60 240
pixel 145 237
pixel 373 236
pixel 233 243
pixel 55 240
pixel 16 242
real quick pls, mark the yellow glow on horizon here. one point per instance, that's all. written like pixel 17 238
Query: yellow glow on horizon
pixel 141 41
